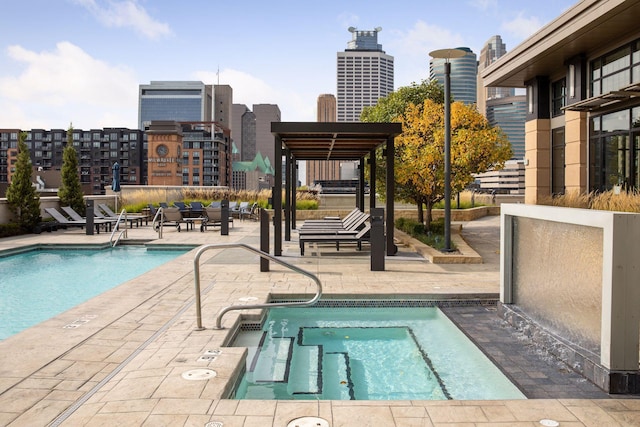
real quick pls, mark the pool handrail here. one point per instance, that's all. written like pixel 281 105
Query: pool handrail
pixel 123 215
pixel 196 271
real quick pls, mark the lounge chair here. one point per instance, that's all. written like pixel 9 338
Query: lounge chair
pixel 196 208
pixel 215 204
pixel 75 216
pixel 351 226
pixel 213 218
pixel 250 212
pixel 106 212
pixel 333 219
pixel 66 222
pixel 335 238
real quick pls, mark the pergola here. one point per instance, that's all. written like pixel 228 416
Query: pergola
pixel 330 141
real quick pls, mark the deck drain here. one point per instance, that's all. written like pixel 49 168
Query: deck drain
pixel 549 423
pixel 209 356
pixel 308 422
pixel 214 424
pixel 199 374
pixel 247 299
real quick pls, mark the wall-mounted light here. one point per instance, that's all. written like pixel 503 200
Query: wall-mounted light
pixel 572 81
pixel 530 99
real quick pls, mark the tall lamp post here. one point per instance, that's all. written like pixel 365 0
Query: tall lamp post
pixel 447 54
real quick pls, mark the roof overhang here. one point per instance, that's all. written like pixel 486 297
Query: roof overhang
pixel 606 100
pixel 333 140
pixel 587 25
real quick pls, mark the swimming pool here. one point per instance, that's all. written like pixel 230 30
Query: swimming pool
pixel 39 284
pixel 373 353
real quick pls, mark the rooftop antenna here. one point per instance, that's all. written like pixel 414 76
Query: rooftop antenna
pixel 218 75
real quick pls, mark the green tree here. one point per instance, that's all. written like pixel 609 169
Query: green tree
pixel 70 191
pixel 21 195
pixel 393 109
pixel 475 147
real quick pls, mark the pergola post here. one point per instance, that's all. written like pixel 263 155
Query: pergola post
pixel 277 199
pixel 294 190
pixel 390 152
pixel 287 194
pixel 360 191
pixel 372 179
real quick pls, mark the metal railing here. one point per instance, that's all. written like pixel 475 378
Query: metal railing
pixel 196 271
pixel 159 214
pixel 116 227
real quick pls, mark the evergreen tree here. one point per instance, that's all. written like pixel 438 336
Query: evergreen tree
pixel 22 197
pixel 70 191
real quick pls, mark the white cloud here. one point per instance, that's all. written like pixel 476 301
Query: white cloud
pixel 347 19
pixel 411 50
pixel 126 13
pixel 66 85
pixel 522 27
pixel 484 4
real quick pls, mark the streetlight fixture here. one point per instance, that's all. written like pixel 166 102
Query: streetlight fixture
pixel 447 55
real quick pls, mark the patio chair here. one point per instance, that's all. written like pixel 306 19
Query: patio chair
pixel 213 218
pixel 106 212
pixel 66 222
pixel 250 212
pixel 75 216
pixel 197 210
pixel 173 217
pixel 215 204
pixel 335 238
pixel 351 226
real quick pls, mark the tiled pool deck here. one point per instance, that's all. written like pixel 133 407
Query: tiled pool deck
pixel 118 360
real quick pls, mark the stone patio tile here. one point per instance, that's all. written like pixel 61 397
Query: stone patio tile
pixel 258 421
pixel 174 386
pixel 256 407
pixel 535 410
pixel 182 406
pixel 413 422
pixel 165 420
pixel 592 416
pixel 363 415
pixel 498 413
pixel 40 383
pixel 627 418
pixel 225 407
pixel 227 421
pixel 462 414
pixel 120 419
pixel 42 413
pixel 133 405
pixel 19 400
pixel 408 411
pixel 78 370
pixel 134 388
pixel 287 411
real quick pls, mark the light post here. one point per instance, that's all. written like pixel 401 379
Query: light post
pixel 447 54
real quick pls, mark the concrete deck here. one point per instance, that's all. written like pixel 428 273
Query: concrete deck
pixel 121 362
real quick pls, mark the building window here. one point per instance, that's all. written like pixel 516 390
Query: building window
pixel 557 161
pixel 616 69
pixel 614 150
pixel 558 97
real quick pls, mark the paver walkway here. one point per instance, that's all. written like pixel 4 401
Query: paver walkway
pixel 123 363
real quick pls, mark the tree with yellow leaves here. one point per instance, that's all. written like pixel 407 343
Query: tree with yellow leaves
pixel 419 162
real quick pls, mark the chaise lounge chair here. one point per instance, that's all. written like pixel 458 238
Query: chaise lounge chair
pixel 64 221
pixel 107 213
pixel 213 218
pixel 335 238
pixel 351 226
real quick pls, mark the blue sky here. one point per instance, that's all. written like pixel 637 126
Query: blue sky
pixel 81 61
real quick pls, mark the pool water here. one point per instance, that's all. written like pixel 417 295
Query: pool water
pixel 37 285
pixel 366 354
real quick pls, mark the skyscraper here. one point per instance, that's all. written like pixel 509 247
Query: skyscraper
pixel 365 74
pixel 182 101
pixel 493 49
pixel 463 75
pixel 324 169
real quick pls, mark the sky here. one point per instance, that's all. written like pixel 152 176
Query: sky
pixel 81 62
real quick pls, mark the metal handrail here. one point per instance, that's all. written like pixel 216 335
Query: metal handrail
pixel 159 213
pixel 117 226
pixel 196 271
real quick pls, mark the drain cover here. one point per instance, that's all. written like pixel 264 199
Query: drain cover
pixel 199 374
pixel 308 422
pixel 247 299
pixel 214 424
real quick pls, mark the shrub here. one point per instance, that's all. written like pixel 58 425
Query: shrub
pixel 10 229
pixel 417 230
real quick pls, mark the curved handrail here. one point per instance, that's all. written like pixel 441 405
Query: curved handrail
pixel 196 271
pixel 159 213
pixel 117 226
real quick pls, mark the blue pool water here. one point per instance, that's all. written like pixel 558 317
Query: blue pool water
pixel 37 285
pixel 366 354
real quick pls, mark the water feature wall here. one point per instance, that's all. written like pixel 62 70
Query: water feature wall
pixel 574 274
